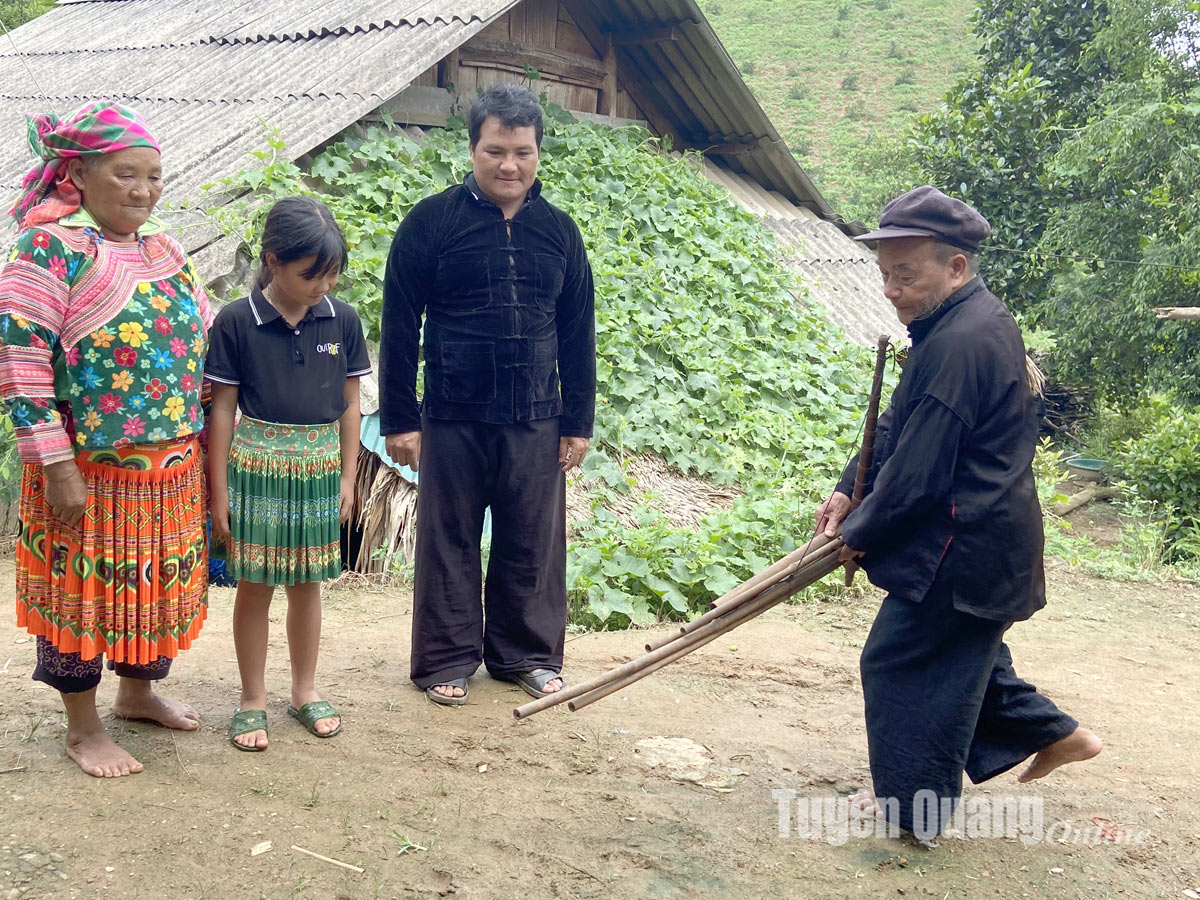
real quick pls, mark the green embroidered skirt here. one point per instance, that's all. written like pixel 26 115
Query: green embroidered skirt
pixel 284 498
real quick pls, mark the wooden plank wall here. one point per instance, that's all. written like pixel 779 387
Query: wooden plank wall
pixel 428 78
pixel 540 33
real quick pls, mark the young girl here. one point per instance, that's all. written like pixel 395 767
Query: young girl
pixel 290 357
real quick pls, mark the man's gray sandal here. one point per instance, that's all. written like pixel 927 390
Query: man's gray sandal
pixel 460 683
pixel 534 683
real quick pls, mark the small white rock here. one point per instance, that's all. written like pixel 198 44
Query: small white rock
pixel 260 849
pixel 1056 871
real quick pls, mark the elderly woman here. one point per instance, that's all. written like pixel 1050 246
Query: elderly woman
pixel 103 327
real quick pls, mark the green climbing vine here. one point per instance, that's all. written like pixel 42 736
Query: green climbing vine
pixel 705 355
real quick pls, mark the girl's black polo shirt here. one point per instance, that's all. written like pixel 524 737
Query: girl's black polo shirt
pixel 293 375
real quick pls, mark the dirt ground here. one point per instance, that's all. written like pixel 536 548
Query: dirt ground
pixel 436 802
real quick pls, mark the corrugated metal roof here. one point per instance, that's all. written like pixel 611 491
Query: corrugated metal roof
pixel 245 20
pixel 208 75
pixel 210 100
pixel 293 53
pixel 842 276
pixel 839 273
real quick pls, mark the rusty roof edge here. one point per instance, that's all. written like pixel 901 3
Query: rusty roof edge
pixel 374 97
pixel 316 33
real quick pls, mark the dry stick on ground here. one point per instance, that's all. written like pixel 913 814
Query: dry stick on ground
pixel 327 859
pixel 179 757
pixel 1083 498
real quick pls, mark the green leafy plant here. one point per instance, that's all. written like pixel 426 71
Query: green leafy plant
pixel 992 141
pixel 1112 426
pixel 10 464
pixel 1163 465
pixel 18 12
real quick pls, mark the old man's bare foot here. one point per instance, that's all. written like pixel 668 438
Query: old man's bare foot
pixel 145 704
pixel 95 753
pixel 1077 746
pixel 864 802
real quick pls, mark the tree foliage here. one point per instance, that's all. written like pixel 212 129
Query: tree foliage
pixel 704 356
pixel 1079 139
pixel 992 140
pixel 1134 171
pixel 17 12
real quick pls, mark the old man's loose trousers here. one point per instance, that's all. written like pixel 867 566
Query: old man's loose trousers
pixel 942 697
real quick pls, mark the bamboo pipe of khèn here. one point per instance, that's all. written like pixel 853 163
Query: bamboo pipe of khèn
pixel 772 573
pixel 826 548
pixel 747 605
pixel 739 614
pixel 866 456
pixel 770 598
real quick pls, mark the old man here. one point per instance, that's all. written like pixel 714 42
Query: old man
pixel 952 531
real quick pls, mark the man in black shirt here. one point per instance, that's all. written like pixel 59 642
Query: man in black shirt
pixel 952 531
pixel 503 281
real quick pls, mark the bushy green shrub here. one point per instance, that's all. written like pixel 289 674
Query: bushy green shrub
pixel 10 465
pixel 1113 425
pixel 1163 464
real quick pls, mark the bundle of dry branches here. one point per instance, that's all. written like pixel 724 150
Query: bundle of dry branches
pixel 385 507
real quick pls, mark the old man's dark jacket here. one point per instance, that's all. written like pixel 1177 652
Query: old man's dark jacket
pixel 509 315
pixel 953 495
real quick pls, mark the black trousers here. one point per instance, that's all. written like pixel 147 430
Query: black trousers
pixel 69 673
pixel 465 468
pixel 942 698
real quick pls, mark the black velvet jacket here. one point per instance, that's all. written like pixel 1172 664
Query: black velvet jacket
pixel 509 315
pixel 953 491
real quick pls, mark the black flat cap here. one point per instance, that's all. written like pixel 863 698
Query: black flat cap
pixel 927 212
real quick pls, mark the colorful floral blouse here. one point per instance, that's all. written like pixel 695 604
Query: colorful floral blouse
pixel 71 372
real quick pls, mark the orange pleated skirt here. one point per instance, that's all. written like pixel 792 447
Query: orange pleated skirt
pixel 131 581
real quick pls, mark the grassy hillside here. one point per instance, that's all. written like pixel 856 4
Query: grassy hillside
pixel 18 12
pixel 838 77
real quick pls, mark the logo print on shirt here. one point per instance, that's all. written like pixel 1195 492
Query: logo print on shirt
pixel 330 347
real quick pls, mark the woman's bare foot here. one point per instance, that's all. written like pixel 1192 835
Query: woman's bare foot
pixel 149 705
pixel 89 744
pixel 449 690
pixel 95 753
pixel 1077 746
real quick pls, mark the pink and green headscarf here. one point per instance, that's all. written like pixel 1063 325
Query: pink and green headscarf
pixel 47 193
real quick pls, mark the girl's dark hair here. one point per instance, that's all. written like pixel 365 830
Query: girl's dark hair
pixel 298 227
